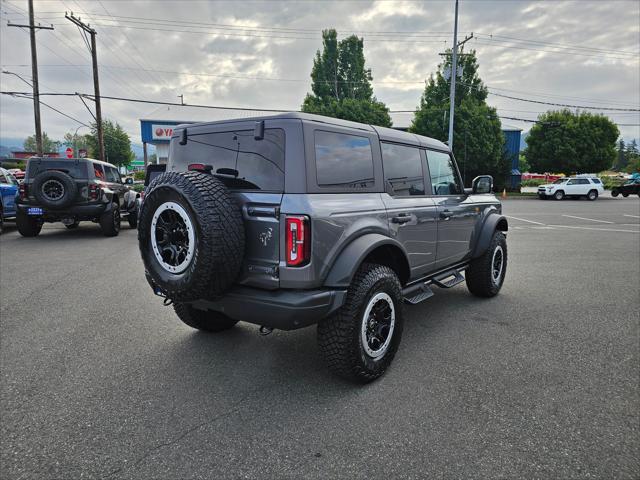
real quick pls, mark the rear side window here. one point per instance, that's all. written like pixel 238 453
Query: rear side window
pixel 237 158
pixel 73 168
pixel 403 169
pixel 444 176
pixel 343 160
pixel 596 180
pixel 98 171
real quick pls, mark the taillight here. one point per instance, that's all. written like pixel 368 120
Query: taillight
pixel 24 191
pixel 298 240
pixel 94 191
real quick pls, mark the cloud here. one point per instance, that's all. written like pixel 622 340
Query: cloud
pixel 132 55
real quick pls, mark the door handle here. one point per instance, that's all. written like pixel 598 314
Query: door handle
pixel 446 214
pixel 402 218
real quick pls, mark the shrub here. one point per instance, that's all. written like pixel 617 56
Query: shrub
pixel 610 182
pixel 138 187
pixel 534 182
pixel 139 175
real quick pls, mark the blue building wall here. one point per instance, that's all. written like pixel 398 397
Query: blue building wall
pixel 512 146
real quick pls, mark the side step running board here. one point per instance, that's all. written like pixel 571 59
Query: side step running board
pixel 448 279
pixel 418 293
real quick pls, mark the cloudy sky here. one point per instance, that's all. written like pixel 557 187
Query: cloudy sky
pixel 258 54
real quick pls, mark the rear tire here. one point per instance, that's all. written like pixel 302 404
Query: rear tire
pixel 559 195
pixel 205 320
pixel 360 340
pixel 592 195
pixel 615 193
pixel 110 221
pixel 28 226
pixel 486 274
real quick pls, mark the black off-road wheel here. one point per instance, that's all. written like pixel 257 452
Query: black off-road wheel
pixel 28 226
pixel 486 274
pixel 360 340
pixel 625 195
pixel 54 189
pixel 110 221
pixel 615 192
pixel 205 320
pixel 191 235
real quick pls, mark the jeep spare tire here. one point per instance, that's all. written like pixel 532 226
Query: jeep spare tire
pixel 54 189
pixel 191 235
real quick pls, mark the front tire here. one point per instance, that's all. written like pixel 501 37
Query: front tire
pixel 360 340
pixel 486 274
pixel 28 226
pixel 110 221
pixel 559 195
pixel 205 320
pixel 625 195
pixel 132 218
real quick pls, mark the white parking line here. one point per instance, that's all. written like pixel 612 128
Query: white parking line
pixel 590 219
pixel 596 229
pixel 632 216
pixel 523 220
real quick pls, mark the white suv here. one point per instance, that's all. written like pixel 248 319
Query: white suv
pixel 589 187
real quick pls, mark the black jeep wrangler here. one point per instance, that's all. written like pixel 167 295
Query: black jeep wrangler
pixel 295 219
pixel 74 190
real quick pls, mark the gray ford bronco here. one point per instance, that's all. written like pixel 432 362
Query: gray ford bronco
pixel 294 219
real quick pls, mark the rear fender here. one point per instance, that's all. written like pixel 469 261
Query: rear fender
pixel 350 259
pixel 493 222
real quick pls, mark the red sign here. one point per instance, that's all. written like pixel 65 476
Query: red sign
pixel 69 152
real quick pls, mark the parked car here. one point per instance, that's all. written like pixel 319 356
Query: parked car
pixel 17 173
pixel 631 187
pixel 8 192
pixel 588 187
pixel 71 191
pixel 356 222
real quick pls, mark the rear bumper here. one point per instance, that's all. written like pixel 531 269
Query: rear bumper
pixel 281 309
pixel 75 211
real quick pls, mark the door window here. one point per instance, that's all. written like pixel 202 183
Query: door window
pixel 98 171
pixel 403 169
pixel 444 175
pixel 112 175
pixel 343 160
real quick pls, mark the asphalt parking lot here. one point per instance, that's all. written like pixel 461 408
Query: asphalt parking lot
pixel 99 380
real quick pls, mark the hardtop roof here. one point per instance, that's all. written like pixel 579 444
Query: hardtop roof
pixel 385 134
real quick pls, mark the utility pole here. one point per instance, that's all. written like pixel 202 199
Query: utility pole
pixel 34 73
pixel 96 84
pixel 454 74
pixel 181 97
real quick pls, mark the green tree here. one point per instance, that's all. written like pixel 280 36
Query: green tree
pixel 48 145
pixel 341 85
pixel 76 141
pixel 117 144
pixel 568 142
pixel 523 165
pixel 633 157
pixel 477 130
pixel 621 161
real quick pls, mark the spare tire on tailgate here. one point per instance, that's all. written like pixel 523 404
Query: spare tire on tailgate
pixel 191 235
pixel 54 189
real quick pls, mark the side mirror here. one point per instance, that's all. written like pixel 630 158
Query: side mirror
pixel 482 184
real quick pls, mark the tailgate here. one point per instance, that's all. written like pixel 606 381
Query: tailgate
pixel 261 215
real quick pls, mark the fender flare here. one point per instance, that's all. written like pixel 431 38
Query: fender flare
pixel 349 260
pixel 492 223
